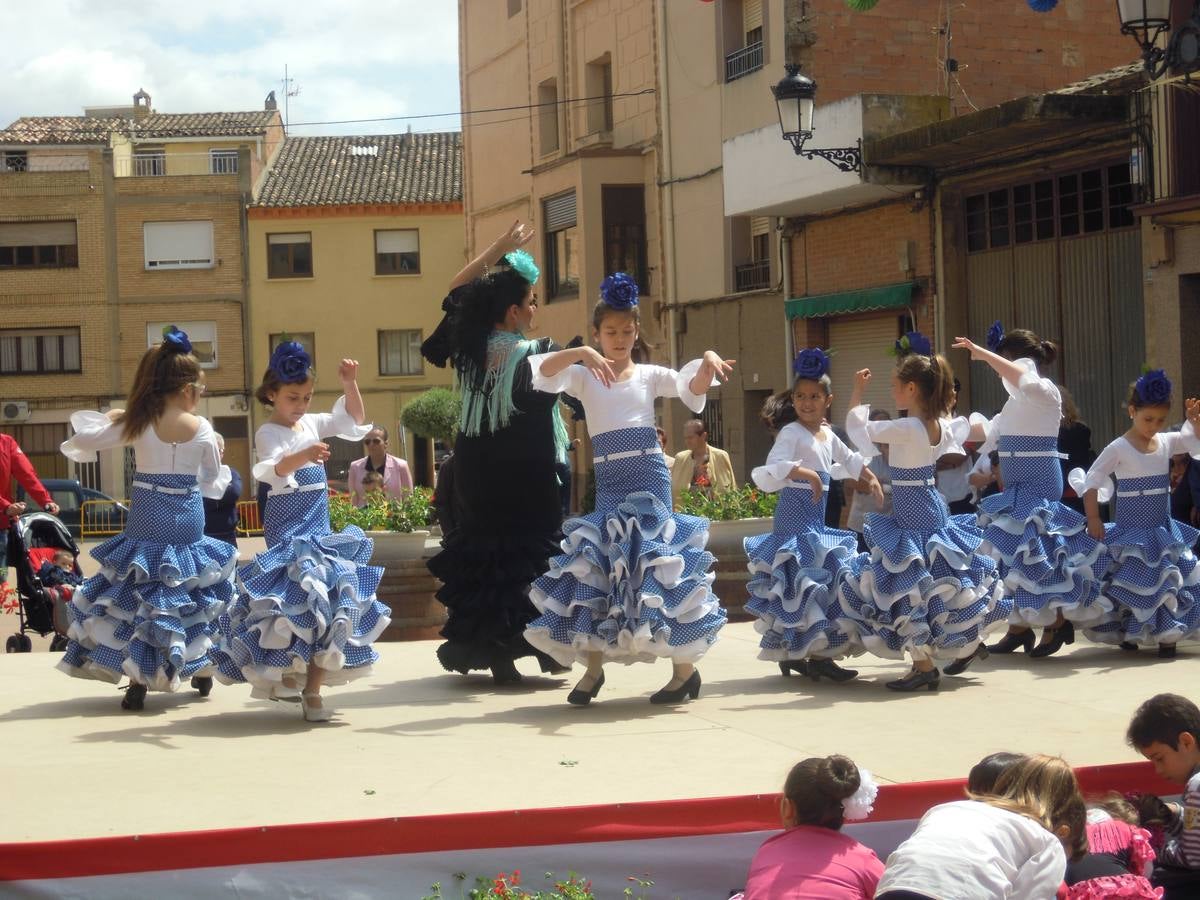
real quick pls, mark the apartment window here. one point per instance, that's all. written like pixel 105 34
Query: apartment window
pixel 400 352
pixel 39 352
pixel 624 212
pixel 398 252
pixel 743 28
pixel 38 245
pixel 306 339
pixel 514 7
pixel 203 336
pixel 563 246
pixel 548 116
pixel 14 161
pixel 289 255
pixel 222 162
pixel 178 245
pixel 150 161
pixel 599 84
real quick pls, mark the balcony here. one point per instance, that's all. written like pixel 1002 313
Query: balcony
pixel 752 276
pixel 157 164
pixel 1168 119
pixel 41 161
pixel 742 62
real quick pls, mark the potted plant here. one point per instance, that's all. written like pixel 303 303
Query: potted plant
pixel 433 414
pixel 399 527
pixel 734 515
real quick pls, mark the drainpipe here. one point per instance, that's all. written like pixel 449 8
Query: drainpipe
pixel 245 198
pixel 667 198
pixel 789 340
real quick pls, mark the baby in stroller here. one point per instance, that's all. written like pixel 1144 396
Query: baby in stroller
pixel 44 555
pixel 60 571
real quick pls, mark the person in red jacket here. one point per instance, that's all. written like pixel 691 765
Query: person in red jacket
pixel 15 464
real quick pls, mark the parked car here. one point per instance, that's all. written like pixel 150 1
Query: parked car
pixel 107 517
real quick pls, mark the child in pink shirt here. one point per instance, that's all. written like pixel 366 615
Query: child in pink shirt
pixel 812 859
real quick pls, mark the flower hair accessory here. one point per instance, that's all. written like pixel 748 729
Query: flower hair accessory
pixel 1153 388
pixel 859 804
pixel 811 363
pixel 524 265
pixel 995 336
pixel 619 291
pixel 176 341
pixel 291 362
pixel 913 342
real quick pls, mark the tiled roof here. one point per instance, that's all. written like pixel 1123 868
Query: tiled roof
pixel 89 130
pixel 1121 80
pixel 382 168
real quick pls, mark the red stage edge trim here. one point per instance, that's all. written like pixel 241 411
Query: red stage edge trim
pixel 481 830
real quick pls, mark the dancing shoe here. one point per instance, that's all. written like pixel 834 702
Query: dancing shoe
pixel 580 697
pixel 1166 651
pixel 505 672
pixel 1010 643
pixel 135 696
pixel 314 713
pixel 1128 646
pixel 690 688
pixel 915 680
pixel 960 665
pixel 827 668
pixel 203 685
pixel 788 666
pixel 1063 634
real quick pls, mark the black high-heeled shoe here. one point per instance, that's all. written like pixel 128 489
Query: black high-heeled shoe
pixel 1063 634
pixel 960 665
pixel 916 680
pixel 1011 642
pixel 505 672
pixel 1166 651
pixel 1128 646
pixel 690 688
pixel 135 697
pixel 827 668
pixel 788 666
pixel 580 697
pixel 203 685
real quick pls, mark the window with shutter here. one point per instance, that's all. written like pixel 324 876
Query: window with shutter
pixel 178 245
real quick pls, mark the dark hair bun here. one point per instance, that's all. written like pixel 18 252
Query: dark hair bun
pixel 841 774
pixel 1049 353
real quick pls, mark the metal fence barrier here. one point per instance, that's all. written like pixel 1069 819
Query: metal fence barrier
pixel 102 518
pixel 249 522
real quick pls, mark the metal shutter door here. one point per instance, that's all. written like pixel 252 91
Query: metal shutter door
pixel 862 342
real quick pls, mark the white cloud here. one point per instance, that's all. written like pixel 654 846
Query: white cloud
pixel 353 59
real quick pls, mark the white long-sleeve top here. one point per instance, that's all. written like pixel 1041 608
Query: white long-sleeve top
pixel 907 439
pixel 1123 460
pixel 968 850
pixel 200 457
pixel 821 451
pixel 623 404
pixel 1033 408
pixel 273 442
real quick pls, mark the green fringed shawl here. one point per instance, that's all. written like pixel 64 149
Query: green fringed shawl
pixel 492 390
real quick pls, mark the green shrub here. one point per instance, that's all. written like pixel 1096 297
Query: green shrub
pixel 746 502
pixel 433 414
pixel 412 512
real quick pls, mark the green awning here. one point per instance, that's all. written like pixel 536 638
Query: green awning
pixel 894 296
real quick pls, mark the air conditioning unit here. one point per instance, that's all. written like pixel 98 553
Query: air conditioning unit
pixel 14 410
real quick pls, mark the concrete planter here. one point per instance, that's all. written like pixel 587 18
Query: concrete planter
pixel 725 543
pixel 396 546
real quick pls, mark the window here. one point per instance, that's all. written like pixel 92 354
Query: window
pixel 400 352
pixel 548 116
pixel 222 162
pixel 289 255
pixel 14 161
pixel 150 161
pixel 1120 197
pixel 562 246
pixel 714 422
pixel 306 339
pixel 38 245
pixel 178 245
pixel 398 252
pixel 599 85
pixel 203 336
pixel 624 211
pixel 39 352
pixel 743 30
pixel 514 7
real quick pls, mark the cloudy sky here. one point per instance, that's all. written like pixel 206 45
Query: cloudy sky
pixel 350 59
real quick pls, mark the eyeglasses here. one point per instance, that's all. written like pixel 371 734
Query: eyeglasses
pixel 373 441
pixel 200 386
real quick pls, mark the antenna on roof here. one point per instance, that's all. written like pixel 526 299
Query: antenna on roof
pixel 288 91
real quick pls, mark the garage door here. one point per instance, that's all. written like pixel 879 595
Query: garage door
pixel 862 342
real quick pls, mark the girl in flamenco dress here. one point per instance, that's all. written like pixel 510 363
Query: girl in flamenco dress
pixel 632 583
pixel 307 615
pixel 151 613
pixel 926 589
pixel 796 568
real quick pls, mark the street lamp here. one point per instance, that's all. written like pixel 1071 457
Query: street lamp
pixel 795 96
pixel 1146 20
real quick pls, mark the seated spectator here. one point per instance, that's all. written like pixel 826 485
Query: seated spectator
pixel 372 483
pixel 812 859
pixel 984 774
pixel 1119 856
pixel 1012 843
pixel 397 479
pixel 221 513
pixel 701 467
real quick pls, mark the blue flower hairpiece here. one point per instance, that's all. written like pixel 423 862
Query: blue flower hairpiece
pixel 291 363
pixel 1153 388
pixel 619 291
pixel 175 340
pixel 995 336
pixel 913 342
pixel 811 363
pixel 524 265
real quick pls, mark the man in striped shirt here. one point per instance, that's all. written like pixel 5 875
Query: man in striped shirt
pixel 1166 730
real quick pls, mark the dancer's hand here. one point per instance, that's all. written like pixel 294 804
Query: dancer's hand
pixel 874 486
pixel 348 371
pixel 712 366
pixel 518 235
pixel 862 378
pixel 114 414
pixel 800 473
pixel 1193 411
pixel 979 480
pixel 318 452
pixel 962 343
pixel 596 363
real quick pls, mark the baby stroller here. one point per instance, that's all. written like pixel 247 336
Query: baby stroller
pixel 33 539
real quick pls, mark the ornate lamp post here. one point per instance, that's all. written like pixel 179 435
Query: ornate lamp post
pixel 1146 20
pixel 795 97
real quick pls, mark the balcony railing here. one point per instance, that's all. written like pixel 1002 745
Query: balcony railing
pixel 753 276
pixel 1168 131
pixel 20 162
pixel 743 62
pixel 144 165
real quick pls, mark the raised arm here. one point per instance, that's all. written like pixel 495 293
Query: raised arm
pixel 711 366
pixel 1005 368
pixel 861 379
pixel 551 364
pixel 348 376
pixel 516 236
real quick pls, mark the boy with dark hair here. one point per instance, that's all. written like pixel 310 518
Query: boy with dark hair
pixel 1166 730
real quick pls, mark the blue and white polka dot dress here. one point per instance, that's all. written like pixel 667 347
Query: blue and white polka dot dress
pixel 1154 582
pixel 310 597
pixel 926 588
pixel 151 612
pixel 794 575
pixel 633 581
pixel 1050 564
